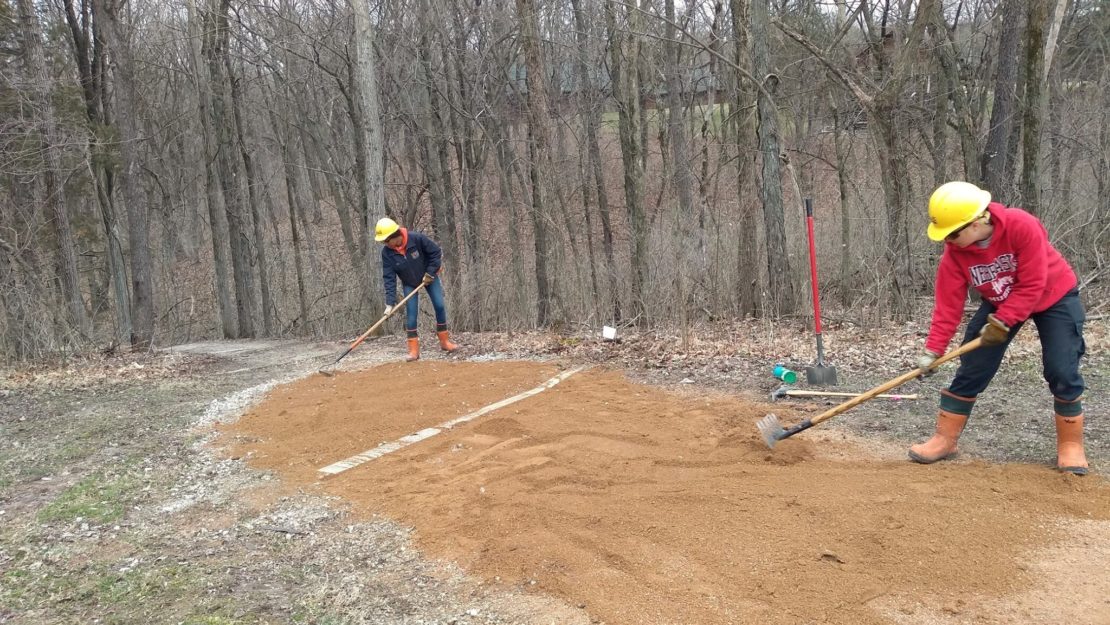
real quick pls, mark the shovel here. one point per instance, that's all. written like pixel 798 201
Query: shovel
pixel 359 340
pixel 819 374
pixel 773 431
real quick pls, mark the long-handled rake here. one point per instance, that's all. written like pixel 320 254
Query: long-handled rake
pixel 773 431
pixel 359 340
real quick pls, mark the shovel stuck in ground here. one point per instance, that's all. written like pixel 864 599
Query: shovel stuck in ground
pixel 820 374
pixel 323 370
pixel 772 429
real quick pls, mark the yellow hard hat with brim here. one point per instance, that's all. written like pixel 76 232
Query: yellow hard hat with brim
pixel 954 205
pixel 384 229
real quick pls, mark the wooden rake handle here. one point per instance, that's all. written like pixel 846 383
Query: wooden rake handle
pixel 370 331
pixel 896 382
pixel 794 393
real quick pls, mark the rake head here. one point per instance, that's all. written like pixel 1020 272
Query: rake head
pixel 771 430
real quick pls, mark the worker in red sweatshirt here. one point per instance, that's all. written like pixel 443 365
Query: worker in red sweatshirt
pixel 1003 253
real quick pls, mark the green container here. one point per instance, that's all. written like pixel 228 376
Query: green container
pixel 786 375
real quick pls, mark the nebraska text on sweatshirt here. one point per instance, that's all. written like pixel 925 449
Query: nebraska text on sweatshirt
pixel 1019 272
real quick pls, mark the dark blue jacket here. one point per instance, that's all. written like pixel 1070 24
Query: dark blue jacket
pixel 422 256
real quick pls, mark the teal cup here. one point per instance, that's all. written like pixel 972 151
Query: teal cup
pixel 786 375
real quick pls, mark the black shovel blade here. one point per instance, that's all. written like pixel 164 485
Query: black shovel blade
pixel 821 376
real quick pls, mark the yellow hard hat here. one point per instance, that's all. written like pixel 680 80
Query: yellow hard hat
pixel 386 228
pixel 954 205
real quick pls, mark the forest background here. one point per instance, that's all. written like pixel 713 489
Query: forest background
pixel 172 171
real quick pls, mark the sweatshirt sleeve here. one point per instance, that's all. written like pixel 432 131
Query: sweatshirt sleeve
pixel 951 292
pixel 389 279
pixel 433 254
pixel 1030 243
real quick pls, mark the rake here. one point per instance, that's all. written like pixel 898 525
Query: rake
pixel 359 340
pixel 773 431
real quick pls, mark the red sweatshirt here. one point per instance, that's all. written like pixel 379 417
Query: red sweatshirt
pixel 1019 272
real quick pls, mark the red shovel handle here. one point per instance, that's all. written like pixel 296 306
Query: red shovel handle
pixel 813 267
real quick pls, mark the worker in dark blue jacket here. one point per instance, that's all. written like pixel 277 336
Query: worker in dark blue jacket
pixel 414 259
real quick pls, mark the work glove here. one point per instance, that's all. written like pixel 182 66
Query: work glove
pixel 388 309
pixel 428 278
pixel 925 361
pixel 994 332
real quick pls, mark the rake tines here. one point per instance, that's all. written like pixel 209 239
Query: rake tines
pixel 771 430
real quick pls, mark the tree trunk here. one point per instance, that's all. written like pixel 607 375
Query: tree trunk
pixel 506 168
pixel 441 185
pixel 373 172
pixel 896 193
pixel 950 88
pixel 217 219
pixel 625 50
pixel 1102 225
pixel 747 256
pixel 254 197
pixel 89 57
pixel 680 163
pixel 117 265
pixel 1034 109
pixel 846 252
pixel 710 280
pixel 54 193
pixel 996 154
pixel 588 115
pixel 293 200
pixel 471 152
pixel 774 224
pixel 537 146
pixel 138 226
pixel 227 165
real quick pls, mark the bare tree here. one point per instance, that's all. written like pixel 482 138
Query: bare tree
pixel 624 51
pixel 228 164
pixel 1035 100
pixel 774 225
pixel 1005 111
pixel 89 58
pixel 881 102
pixel 217 218
pixel 590 104
pixel 254 199
pixel 54 193
pixel 366 78
pixel 747 256
pixel 537 149
pixel 138 224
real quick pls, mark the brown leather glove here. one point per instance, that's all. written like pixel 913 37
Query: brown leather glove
pixel 994 332
pixel 428 278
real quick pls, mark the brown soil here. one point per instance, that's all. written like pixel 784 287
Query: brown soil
pixel 650 507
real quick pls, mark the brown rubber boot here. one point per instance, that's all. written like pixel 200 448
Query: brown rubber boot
pixel 943 444
pixel 1069 445
pixel 414 350
pixel 445 341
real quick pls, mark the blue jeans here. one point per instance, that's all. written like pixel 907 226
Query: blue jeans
pixel 412 308
pixel 1061 331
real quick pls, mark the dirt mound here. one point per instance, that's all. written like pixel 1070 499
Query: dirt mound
pixel 649 507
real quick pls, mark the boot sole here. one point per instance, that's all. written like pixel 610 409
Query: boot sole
pixel 1073 470
pixel 925 460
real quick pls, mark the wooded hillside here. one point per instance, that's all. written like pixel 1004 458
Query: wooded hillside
pixel 210 168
